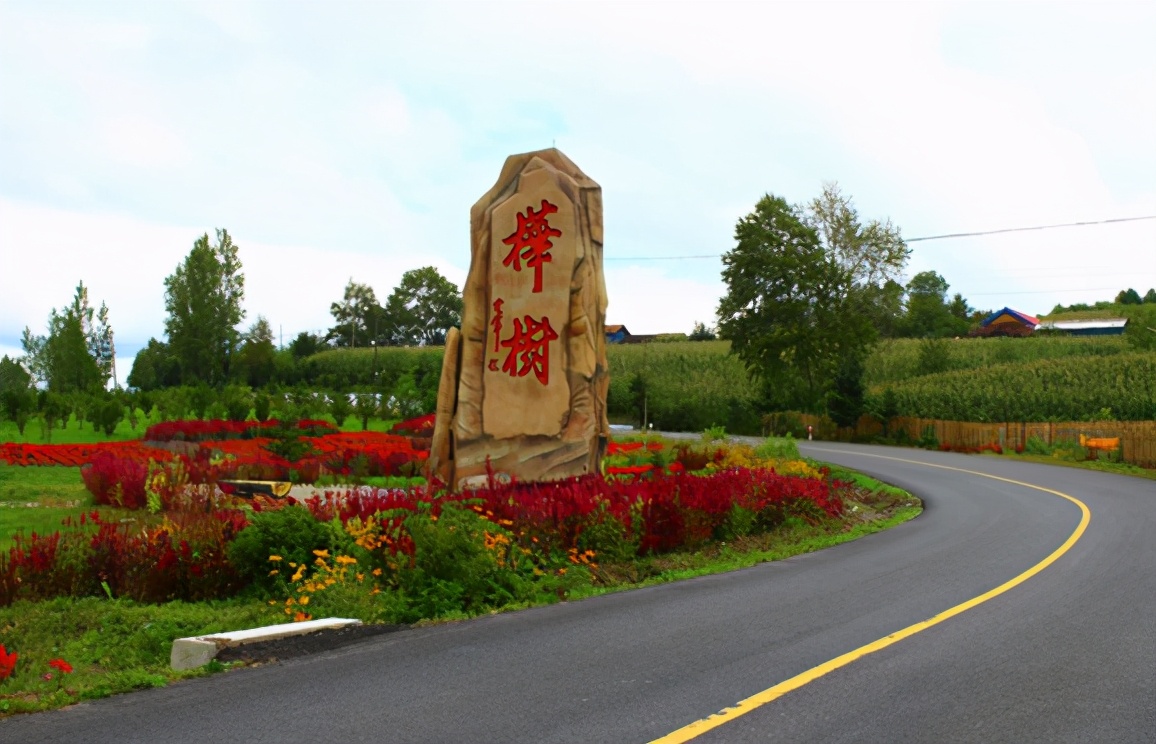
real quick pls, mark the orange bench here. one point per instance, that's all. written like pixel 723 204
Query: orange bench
pixel 1100 443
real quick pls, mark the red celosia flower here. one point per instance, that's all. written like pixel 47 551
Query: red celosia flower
pixel 7 662
pixel 60 664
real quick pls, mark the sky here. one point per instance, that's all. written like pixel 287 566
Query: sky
pixel 345 140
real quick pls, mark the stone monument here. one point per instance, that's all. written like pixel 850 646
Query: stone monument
pixel 524 382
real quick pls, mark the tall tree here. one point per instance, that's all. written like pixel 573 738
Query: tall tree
pixel 203 300
pixel 101 344
pixel 17 397
pixel 1129 297
pixel 422 308
pixel 154 367
pixel 257 354
pixel 800 283
pixel 63 359
pixel 306 344
pixel 701 332
pixel 357 316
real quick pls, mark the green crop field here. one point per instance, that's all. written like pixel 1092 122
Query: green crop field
pixel 900 359
pixel 1118 387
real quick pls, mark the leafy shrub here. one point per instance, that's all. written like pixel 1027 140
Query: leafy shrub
pixel 290 532
pixel 116 480
pixel 452 569
pixel 1037 446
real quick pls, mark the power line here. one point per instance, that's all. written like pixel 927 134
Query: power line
pixel 1046 291
pixel 1025 229
pixel 945 236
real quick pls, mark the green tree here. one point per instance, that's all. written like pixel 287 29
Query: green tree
pixel 1141 328
pixel 256 358
pixel 927 309
pixel 1150 296
pixel 1129 297
pixel 306 344
pixel 701 332
pixel 64 359
pixel 799 284
pixel 154 367
pixel 203 299
pixel 357 317
pixel 885 306
pixel 421 309
pixel 17 397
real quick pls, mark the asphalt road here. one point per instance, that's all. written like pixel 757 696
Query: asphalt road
pixel 1069 654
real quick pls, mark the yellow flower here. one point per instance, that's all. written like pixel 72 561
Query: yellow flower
pixel 377 572
pixel 304 600
pixel 321 553
pixel 274 572
pixel 274 557
pixel 345 560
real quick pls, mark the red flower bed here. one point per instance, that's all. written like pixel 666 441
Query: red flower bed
pixel 675 510
pixel 422 426
pixel 74 455
pixel 216 430
pixel 185 558
pixel 614 448
pixel 966 449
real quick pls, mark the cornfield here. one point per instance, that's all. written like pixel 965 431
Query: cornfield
pixel 897 360
pixel 1120 387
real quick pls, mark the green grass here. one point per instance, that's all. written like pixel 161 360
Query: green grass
pixel 113 645
pixel 38 499
pixel 74 433
pixel 1119 468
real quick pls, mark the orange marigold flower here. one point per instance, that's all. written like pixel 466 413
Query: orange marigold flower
pixel 321 553
pixel 275 558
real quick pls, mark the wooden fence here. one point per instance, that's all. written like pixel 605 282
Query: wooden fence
pixel 1137 438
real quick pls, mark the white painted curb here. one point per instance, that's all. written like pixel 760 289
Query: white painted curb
pixel 190 653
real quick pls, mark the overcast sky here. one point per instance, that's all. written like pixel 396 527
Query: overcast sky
pixel 349 139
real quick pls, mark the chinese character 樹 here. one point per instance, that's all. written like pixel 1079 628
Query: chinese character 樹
pixel 529 349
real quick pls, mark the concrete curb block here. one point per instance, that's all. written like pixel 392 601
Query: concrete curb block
pixel 190 653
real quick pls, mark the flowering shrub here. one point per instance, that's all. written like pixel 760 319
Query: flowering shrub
pixel 182 557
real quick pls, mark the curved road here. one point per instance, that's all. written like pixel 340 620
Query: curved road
pixel 1069 654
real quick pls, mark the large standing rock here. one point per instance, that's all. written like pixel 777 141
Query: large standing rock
pixel 524 384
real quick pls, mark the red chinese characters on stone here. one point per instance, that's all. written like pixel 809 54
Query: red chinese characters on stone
pixel 529 347
pixel 531 241
pixel 496 323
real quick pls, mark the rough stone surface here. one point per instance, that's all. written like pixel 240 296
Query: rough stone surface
pixel 529 389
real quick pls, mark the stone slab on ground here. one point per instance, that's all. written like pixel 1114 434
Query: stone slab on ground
pixel 190 653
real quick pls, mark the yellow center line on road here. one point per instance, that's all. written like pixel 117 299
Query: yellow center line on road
pixel 700 727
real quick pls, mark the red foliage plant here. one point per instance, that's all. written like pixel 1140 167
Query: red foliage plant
pixel 183 558
pixel 673 511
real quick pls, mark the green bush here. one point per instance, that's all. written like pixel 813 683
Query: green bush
pixel 290 532
pixel 452 572
pixel 1037 446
